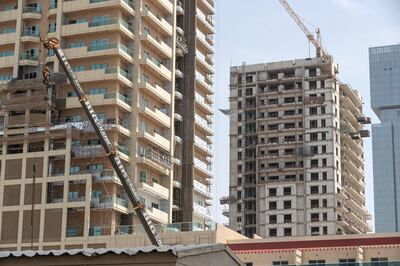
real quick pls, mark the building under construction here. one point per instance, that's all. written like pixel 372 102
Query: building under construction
pixel 146 66
pixel 296 158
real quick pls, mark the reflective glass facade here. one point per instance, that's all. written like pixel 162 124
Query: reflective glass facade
pixel 385 101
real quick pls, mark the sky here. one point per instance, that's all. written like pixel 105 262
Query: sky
pixel 260 31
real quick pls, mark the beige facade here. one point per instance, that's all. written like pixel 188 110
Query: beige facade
pixel 296 161
pixel 56 185
pixel 367 249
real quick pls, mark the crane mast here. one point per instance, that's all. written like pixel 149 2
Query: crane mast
pixel 315 41
pixel 53 44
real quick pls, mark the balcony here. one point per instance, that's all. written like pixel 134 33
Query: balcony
pixel 203 62
pixel 203 146
pixel 109 73
pixel 108 98
pixel 8 15
pixel 28 60
pixel 204 83
pixel 203 124
pixel 201 211
pixel 156 91
pixel 202 167
pixel 79 5
pixel 156 115
pixel 202 189
pixel 204 103
pixel 109 202
pixel 205 22
pixel 105 176
pixel 103 49
pixel 30 12
pixel 7 61
pixel 158 45
pixel 155 139
pixel 152 64
pixel 112 24
pixel 158 22
pixel 30 36
pixel 157 215
pixel 160 162
pixel 165 5
pixel 8 38
pixel 155 189
pixel 208 6
pixel 206 41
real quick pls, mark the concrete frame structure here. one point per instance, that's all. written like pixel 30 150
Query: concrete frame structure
pixel 384 65
pixel 367 249
pixel 134 61
pixel 296 160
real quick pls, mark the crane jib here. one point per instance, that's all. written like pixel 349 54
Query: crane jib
pixel 108 147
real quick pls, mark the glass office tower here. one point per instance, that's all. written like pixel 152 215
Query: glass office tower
pixel 385 101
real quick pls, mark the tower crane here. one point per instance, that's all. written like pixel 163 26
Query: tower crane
pixel 316 41
pixel 134 197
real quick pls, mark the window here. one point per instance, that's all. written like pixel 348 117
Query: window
pixel 379 261
pixel 287 204
pixel 94 91
pixel 322 110
pixel 287 191
pixel 314 231
pixel 313 123
pixel 75 143
pixel 323 162
pixel 287 218
pixel 272 219
pixel 323 149
pixel 314 203
pixel 314 150
pixel 325 216
pixel 142 176
pixel 324 175
pixel 313 136
pixel 323 136
pixel 248 264
pixel 272 232
pixel 287 231
pixel 155 205
pixel 314 163
pixel 316 262
pixel 272 192
pixel 78 68
pixel 76 44
pixel 323 189
pixel 325 230
pixel 313 111
pixel 74 169
pixel 314 176
pixel 314 190
pixel 323 123
pixel 314 217
pixel 324 203
pixel 98 66
pixel 285 262
pixel 347 262
pixel 272 205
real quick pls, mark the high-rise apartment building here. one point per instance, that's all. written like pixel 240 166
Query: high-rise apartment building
pixel 147 68
pixel 296 159
pixel 384 65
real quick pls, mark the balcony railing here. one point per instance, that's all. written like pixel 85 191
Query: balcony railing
pixel 202 210
pixel 105 46
pixel 28 57
pixel 204 189
pixel 203 122
pixel 108 201
pixel 202 165
pixel 32 9
pixel 154 155
pixel 111 21
pixel 33 33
